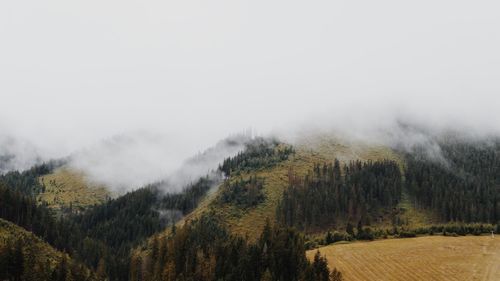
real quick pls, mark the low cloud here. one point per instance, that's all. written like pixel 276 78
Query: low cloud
pixel 126 162
pixel 169 79
pixel 16 154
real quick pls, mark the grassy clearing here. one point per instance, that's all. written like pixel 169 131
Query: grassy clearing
pixel 423 258
pixel 65 188
pixel 414 217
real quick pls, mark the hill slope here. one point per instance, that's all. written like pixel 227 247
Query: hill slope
pixel 33 259
pixel 65 188
pixel 251 221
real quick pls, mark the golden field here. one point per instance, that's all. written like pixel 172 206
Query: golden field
pixel 423 258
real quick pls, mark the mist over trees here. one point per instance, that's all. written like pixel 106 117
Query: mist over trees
pixel 461 187
pixel 368 120
pixel 27 181
pixel 465 188
pixel 259 153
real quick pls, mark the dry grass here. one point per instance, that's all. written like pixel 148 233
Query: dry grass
pixel 414 217
pixel 423 258
pixel 66 187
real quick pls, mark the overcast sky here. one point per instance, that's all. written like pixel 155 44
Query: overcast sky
pixel 191 72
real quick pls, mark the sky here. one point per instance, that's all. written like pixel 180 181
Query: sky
pixel 176 76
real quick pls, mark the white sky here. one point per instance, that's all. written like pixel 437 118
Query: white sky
pixel 75 72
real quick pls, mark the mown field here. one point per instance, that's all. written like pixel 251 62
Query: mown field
pixel 423 258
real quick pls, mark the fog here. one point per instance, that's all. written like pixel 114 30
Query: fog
pixel 129 161
pixel 132 89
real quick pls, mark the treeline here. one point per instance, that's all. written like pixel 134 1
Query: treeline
pixel 243 193
pixel 333 193
pixel 258 154
pixel 188 199
pixel 463 185
pixel 123 222
pixel 136 215
pixel 370 233
pixel 203 250
pixel 112 229
pixel 60 233
pixel 23 211
pixel 27 182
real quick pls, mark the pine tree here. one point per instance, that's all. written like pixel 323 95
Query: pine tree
pixel 17 262
pixel 62 269
pixel 101 270
pixel 4 262
pixel 320 268
pixel 336 275
pixel 266 276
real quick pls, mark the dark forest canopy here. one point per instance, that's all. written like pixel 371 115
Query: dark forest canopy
pixel 332 193
pixel 243 193
pixel 138 214
pixel 204 250
pixel 259 153
pixel 462 185
pixel 27 181
pixel 106 233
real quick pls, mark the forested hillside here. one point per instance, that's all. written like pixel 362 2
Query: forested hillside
pixel 259 153
pixel 463 185
pixel 103 236
pixel 215 228
pixel 331 195
pixel 27 181
pixel 251 194
pixel 23 256
pixel 204 250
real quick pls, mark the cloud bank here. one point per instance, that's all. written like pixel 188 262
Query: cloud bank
pixel 126 162
pixel 171 78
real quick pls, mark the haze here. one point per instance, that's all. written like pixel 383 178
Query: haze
pixel 177 76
